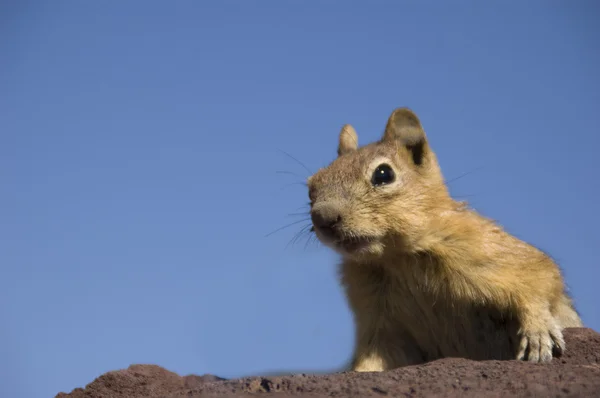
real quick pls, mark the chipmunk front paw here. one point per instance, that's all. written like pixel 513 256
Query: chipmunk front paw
pixel 539 339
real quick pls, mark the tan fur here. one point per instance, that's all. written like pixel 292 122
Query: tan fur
pixel 425 276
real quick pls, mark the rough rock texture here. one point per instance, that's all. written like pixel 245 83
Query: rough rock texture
pixel 575 374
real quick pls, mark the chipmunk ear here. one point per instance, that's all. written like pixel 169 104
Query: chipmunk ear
pixel 404 127
pixel 348 140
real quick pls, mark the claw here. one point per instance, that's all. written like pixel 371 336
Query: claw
pixel 559 342
pixel 538 347
pixel 546 349
pixel 522 348
pixel 534 349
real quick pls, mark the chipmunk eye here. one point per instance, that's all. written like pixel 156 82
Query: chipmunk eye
pixel 382 175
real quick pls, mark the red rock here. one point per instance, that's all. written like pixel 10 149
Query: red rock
pixel 575 374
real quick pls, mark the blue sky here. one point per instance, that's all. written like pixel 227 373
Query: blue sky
pixel 140 144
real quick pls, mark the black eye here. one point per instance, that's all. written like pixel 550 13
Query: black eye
pixel 382 175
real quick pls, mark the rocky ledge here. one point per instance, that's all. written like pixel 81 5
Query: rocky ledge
pixel 575 374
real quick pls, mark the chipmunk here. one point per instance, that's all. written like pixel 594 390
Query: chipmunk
pixel 425 276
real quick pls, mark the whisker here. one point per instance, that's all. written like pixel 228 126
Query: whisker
pixel 299 162
pixel 308 241
pixel 298 214
pixel 450 181
pixel 303 232
pixel 293 183
pixel 295 237
pixel 286 226
pixel 289 173
pixel 315 240
pixel 463 175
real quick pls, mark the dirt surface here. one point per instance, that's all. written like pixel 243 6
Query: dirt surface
pixel 575 374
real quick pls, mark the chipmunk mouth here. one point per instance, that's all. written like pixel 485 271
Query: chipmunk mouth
pixel 332 233
pixel 350 245
pixel 354 243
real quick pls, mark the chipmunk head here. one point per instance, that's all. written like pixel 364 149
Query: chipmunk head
pixel 377 197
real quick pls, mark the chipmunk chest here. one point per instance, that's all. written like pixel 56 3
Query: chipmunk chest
pixel 418 303
pixel 420 296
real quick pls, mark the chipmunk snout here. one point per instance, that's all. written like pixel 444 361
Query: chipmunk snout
pixel 327 218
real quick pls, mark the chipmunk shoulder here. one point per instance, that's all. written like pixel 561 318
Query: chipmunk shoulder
pixel 425 276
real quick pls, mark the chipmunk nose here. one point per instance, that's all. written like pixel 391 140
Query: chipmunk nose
pixel 327 218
